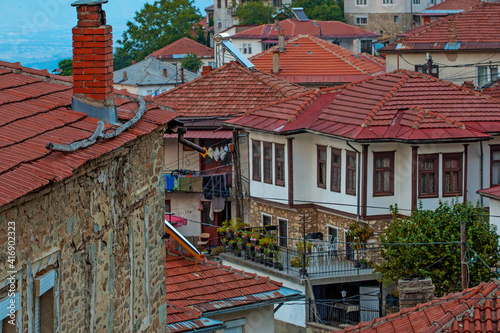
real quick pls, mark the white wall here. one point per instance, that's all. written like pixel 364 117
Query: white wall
pixel 291 312
pixel 495 214
pixel 260 188
pixel 377 6
pixel 305 174
pixel 457 75
pixel 144 90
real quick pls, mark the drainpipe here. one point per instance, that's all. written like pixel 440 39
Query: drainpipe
pixel 358 168
pixel 481 170
pixel 181 131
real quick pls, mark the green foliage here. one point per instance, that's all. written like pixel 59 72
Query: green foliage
pixel 66 65
pixel 323 10
pixel 154 27
pixel 254 12
pixel 191 62
pixel 441 262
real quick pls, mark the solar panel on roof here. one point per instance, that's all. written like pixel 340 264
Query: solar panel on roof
pixel 237 54
pixel 299 14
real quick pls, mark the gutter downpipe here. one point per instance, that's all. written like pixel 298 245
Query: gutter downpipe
pixel 481 169
pixel 358 176
pixel 190 144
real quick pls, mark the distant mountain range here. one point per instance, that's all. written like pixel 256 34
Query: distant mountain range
pixel 40 37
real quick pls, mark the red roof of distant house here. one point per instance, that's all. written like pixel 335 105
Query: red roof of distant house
pixel 308 59
pixel 454 5
pixel 182 47
pixel 477 29
pixel 472 310
pixel 35 109
pixel 217 287
pixel 493 91
pixel 399 106
pixel 293 27
pixel 202 23
pixel 228 91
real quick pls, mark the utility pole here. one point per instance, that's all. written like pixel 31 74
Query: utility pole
pixel 463 247
pixel 237 174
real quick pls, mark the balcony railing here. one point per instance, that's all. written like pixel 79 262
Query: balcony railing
pixel 319 261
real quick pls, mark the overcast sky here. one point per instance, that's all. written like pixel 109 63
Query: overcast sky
pixel 37 31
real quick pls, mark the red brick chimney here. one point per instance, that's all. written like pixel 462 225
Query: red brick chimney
pixel 452 32
pixel 206 70
pixel 93 62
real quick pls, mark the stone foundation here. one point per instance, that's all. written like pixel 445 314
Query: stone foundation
pixel 316 220
pixel 382 22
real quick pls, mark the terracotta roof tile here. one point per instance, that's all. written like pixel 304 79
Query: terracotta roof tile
pixel 308 59
pixel 228 91
pixel 453 5
pixel 445 314
pixel 293 27
pixel 181 47
pixel 476 29
pixel 35 109
pixel 213 287
pixel 401 105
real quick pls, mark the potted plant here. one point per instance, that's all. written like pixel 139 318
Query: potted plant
pixel 237 251
pixel 254 239
pixel 363 263
pixel 232 244
pixel 224 241
pixel 259 249
pixel 252 256
pixel 240 243
pixel 359 235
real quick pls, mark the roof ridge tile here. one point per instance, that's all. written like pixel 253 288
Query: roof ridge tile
pixel 384 100
pixel 304 105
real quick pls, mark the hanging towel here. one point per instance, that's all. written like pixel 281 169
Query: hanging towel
pixel 216 154
pixel 218 204
pixel 210 152
pixel 223 154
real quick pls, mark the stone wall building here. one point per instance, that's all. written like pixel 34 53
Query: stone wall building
pixel 86 253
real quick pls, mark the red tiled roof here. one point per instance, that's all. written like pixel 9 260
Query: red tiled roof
pixel 35 110
pixel 202 23
pixel 472 310
pixel 491 192
pixel 228 91
pixel 182 47
pixel 293 27
pixel 311 59
pixel 454 5
pixel 401 105
pixel 493 91
pixel 477 29
pixel 216 286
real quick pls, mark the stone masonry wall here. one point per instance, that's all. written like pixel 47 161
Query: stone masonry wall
pixel 106 223
pixel 316 221
pixel 382 22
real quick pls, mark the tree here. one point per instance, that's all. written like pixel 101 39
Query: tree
pixel 254 12
pixel 322 10
pixel 154 27
pixel 441 262
pixel 191 62
pixel 66 65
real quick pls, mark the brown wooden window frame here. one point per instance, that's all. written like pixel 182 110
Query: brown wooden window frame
pixel 460 171
pixel 283 236
pixel 267 159
pixel 493 148
pixel 256 161
pixel 377 155
pixel 351 172
pixel 279 165
pixel 336 170
pixel 320 162
pixel 435 171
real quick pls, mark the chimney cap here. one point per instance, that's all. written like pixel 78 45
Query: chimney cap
pixel 88 2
